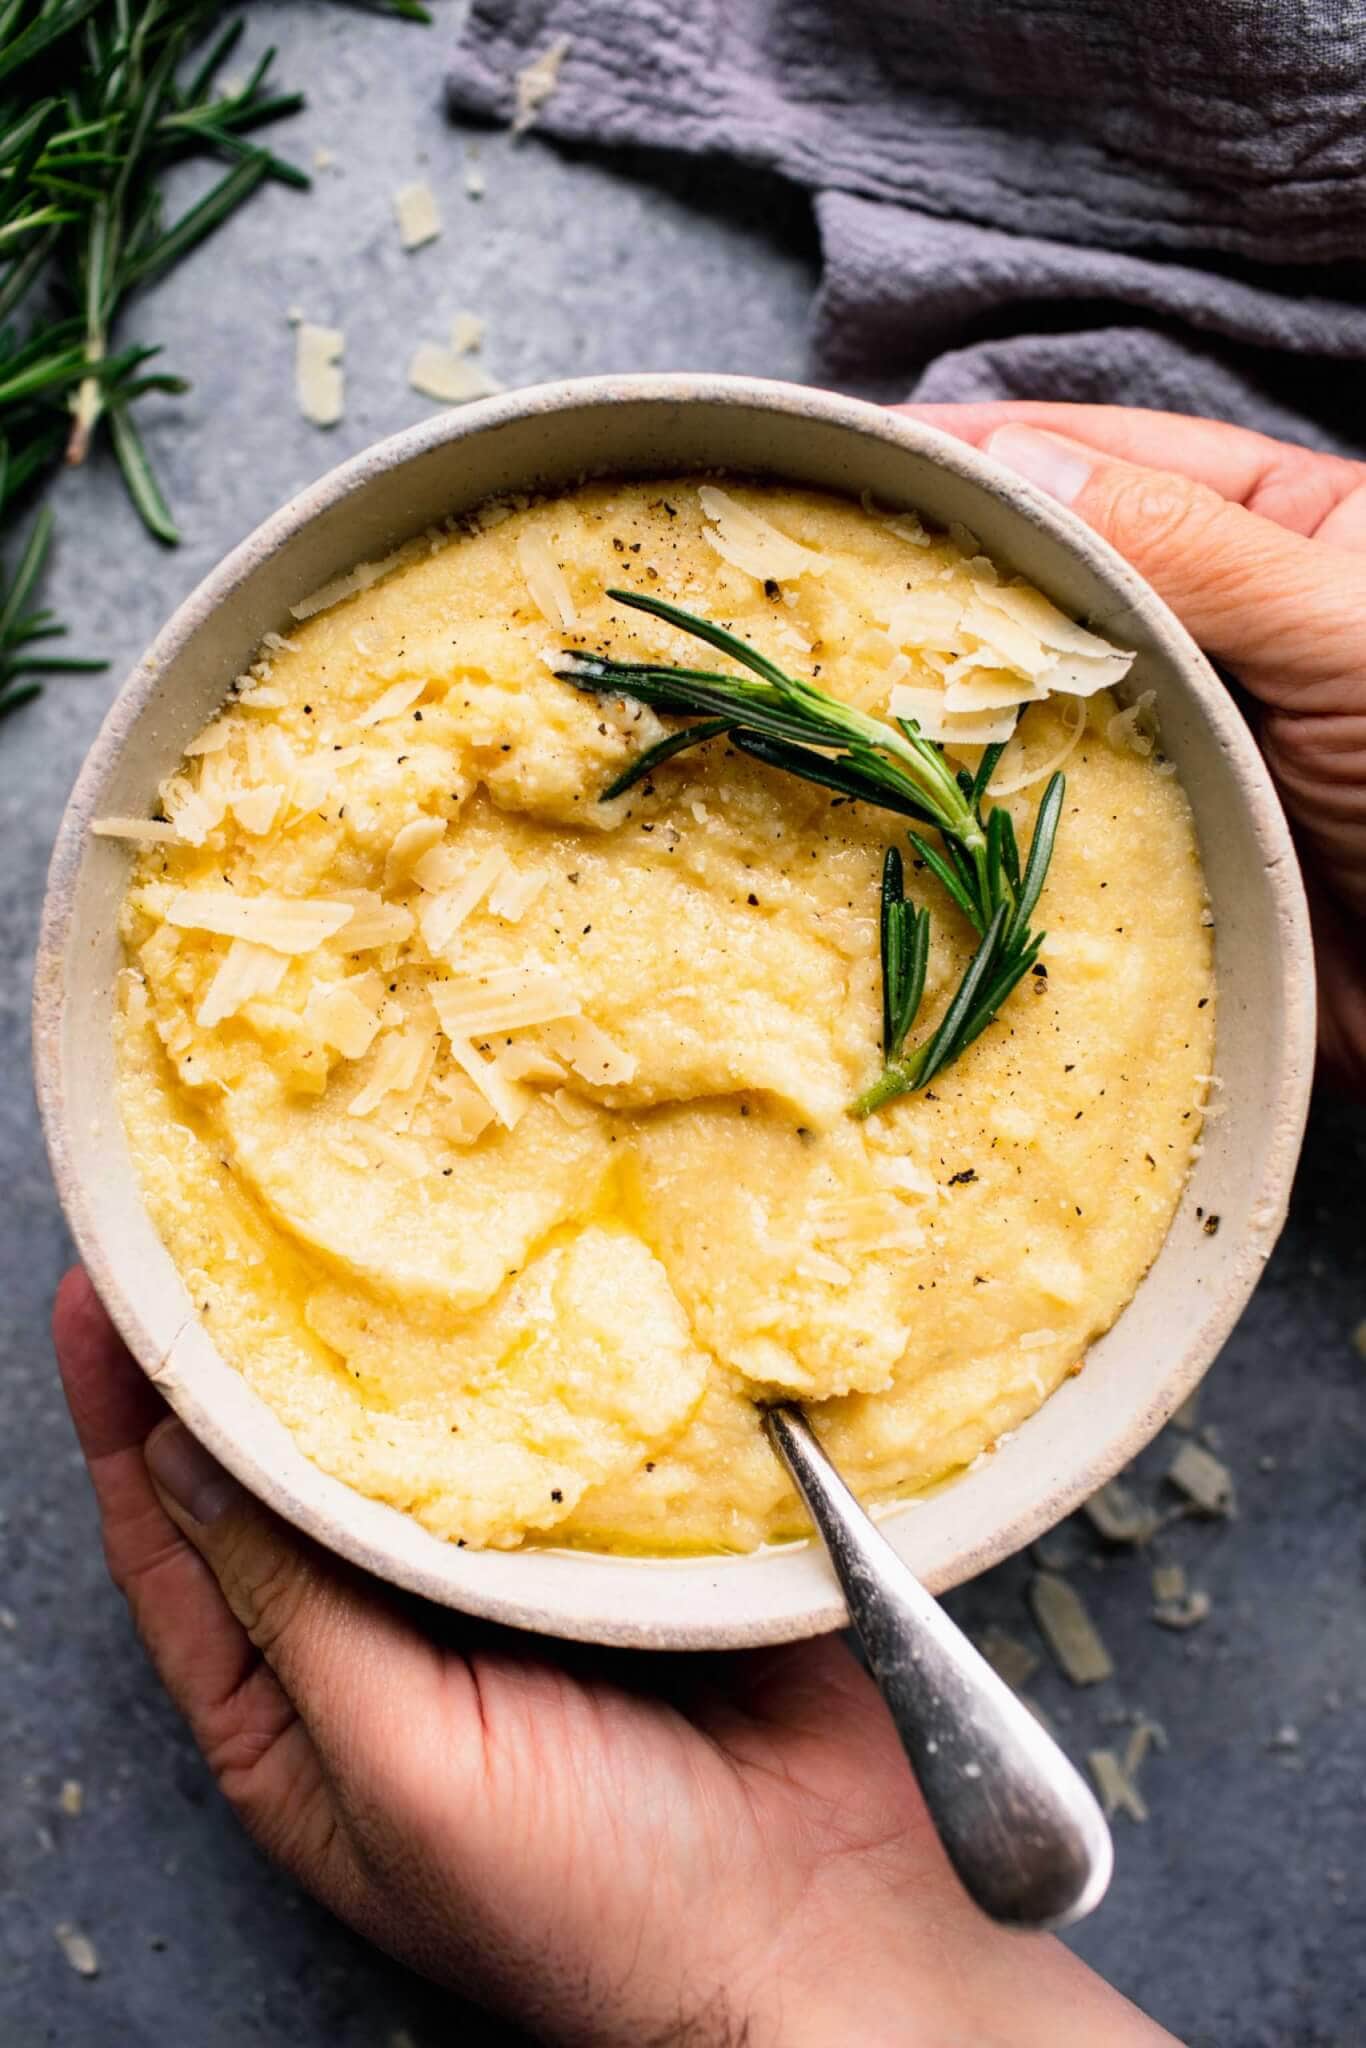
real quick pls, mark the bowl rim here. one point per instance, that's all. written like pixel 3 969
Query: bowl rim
pixel 1286 1116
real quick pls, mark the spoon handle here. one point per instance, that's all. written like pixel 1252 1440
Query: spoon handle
pixel 1019 1823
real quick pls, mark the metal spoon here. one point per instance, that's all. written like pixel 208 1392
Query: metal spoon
pixel 1020 1825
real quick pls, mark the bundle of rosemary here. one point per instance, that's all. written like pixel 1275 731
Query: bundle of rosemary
pixel 792 725
pixel 99 100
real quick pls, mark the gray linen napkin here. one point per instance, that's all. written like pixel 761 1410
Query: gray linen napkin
pixel 1148 202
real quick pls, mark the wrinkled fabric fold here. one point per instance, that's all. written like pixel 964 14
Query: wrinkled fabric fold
pixel 1138 201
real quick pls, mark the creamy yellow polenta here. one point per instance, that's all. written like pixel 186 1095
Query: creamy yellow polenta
pixel 528 1278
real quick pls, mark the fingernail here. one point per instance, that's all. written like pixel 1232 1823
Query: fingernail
pixel 182 1468
pixel 1057 466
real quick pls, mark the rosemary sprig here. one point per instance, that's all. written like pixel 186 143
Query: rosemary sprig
pixel 99 100
pixel 790 724
pixel 23 629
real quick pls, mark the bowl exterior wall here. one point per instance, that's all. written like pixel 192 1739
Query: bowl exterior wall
pixel 548 439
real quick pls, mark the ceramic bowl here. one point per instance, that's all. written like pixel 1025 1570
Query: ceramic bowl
pixel 548 438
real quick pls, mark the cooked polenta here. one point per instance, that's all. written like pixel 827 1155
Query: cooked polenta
pixel 502 1133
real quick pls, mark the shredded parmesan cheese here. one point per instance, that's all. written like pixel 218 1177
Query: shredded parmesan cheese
pixel 753 544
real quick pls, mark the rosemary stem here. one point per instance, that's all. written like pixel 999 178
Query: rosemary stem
pixel 899 1078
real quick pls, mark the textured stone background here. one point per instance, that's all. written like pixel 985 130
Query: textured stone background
pixel 1237 1912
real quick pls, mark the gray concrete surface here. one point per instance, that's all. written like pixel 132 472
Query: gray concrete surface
pixel 1237 1912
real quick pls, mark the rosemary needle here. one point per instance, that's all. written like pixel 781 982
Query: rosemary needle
pixel 791 725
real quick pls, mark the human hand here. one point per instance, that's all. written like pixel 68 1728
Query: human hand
pixel 630 1850
pixel 1258 548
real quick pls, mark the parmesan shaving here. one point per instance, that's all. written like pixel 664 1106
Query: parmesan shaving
pixel 342 1020
pixel 937 722
pixel 213 738
pixel 1128 728
pixel 970 690
pixel 545 579
pixel 373 921
pixel 465 1114
pixel 1030 609
pixel 418 220
pixel 591 1053
pixel 523 1062
pixel 141 831
pixel 442 915
pixel 398 1058
pixel 467 333
pixel 1011 785
pixel 449 375
pixel 1081 675
pixel 247 970
pixel 570 1108
pixel 513 895
pixel 753 544
pixel 505 999
pixel 534 84
pixel 925 618
pixel 286 924
pixel 257 809
pixel 405 1156
pixel 508 1100
pixel 319 384
pixel 411 841
pixel 393 703
pixel 350 585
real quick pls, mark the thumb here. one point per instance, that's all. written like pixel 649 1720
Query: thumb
pixel 1281 610
pixel 341 1655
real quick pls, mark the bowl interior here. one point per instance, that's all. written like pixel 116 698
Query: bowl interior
pixel 547 439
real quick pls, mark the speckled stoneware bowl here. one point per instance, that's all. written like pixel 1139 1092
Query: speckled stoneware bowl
pixel 546 439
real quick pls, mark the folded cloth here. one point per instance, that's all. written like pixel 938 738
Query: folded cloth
pixel 1151 202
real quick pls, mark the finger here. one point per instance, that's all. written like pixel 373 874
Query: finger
pixel 1323 496
pixel 1281 610
pixel 237 1712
